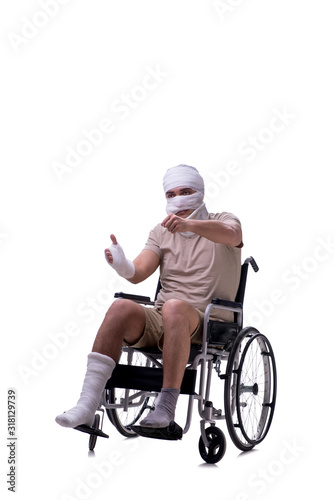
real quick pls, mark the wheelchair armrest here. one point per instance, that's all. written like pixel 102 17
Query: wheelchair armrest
pixel 140 299
pixel 224 331
pixel 232 306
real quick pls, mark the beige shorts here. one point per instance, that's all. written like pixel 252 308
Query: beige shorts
pixel 154 330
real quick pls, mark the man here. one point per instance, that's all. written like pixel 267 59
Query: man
pixel 199 255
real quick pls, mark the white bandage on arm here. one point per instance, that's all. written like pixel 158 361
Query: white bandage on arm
pixel 123 266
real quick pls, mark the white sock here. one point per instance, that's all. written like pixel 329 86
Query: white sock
pixel 99 370
pixel 165 410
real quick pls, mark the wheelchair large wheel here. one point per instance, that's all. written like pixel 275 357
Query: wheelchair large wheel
pixel 250 389
pixel 139 402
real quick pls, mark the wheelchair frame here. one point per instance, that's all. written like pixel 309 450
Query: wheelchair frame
pixel 249 397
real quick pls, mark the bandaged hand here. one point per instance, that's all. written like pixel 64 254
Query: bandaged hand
pixel 116 259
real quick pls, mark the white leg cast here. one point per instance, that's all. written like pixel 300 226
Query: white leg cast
pixel 99 370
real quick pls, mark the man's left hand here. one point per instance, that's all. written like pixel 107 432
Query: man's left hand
pixel 175 224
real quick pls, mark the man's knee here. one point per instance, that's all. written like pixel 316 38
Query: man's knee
pixel 122 310
pixel 125 319
pixel 175 307
pixel 179 312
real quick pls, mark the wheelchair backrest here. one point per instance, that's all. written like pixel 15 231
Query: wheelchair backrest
pixel 157 290
pixel 243 278
pixel 242 284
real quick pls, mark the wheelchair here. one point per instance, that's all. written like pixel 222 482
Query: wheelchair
pixel 244 361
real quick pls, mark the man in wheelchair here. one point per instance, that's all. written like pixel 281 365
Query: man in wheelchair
pixel 199 255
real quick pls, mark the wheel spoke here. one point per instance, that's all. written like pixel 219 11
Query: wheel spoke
pixel 138 403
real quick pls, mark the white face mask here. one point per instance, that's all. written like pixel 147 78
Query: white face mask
pixel 188 202
pixel 185 202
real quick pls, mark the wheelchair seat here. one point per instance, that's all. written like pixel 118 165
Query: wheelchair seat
pixel 156 353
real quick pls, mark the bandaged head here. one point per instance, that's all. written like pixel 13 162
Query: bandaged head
pixel 183 176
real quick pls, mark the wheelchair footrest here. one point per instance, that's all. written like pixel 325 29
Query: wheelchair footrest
pixel 91 430
pixel 172 432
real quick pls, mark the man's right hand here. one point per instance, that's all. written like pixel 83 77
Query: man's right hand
pixel 116 259
pixel 107 252
pixel 135 272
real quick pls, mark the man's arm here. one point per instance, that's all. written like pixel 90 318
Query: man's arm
pixel 145 264
pixel 229 233
pixel 141 268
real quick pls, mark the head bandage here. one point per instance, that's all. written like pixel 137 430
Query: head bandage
pixel 185 176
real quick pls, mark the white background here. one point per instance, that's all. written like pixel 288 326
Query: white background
pixel 224 73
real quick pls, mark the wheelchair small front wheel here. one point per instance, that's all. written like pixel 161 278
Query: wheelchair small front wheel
pixel 217 445
pixel 92 437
